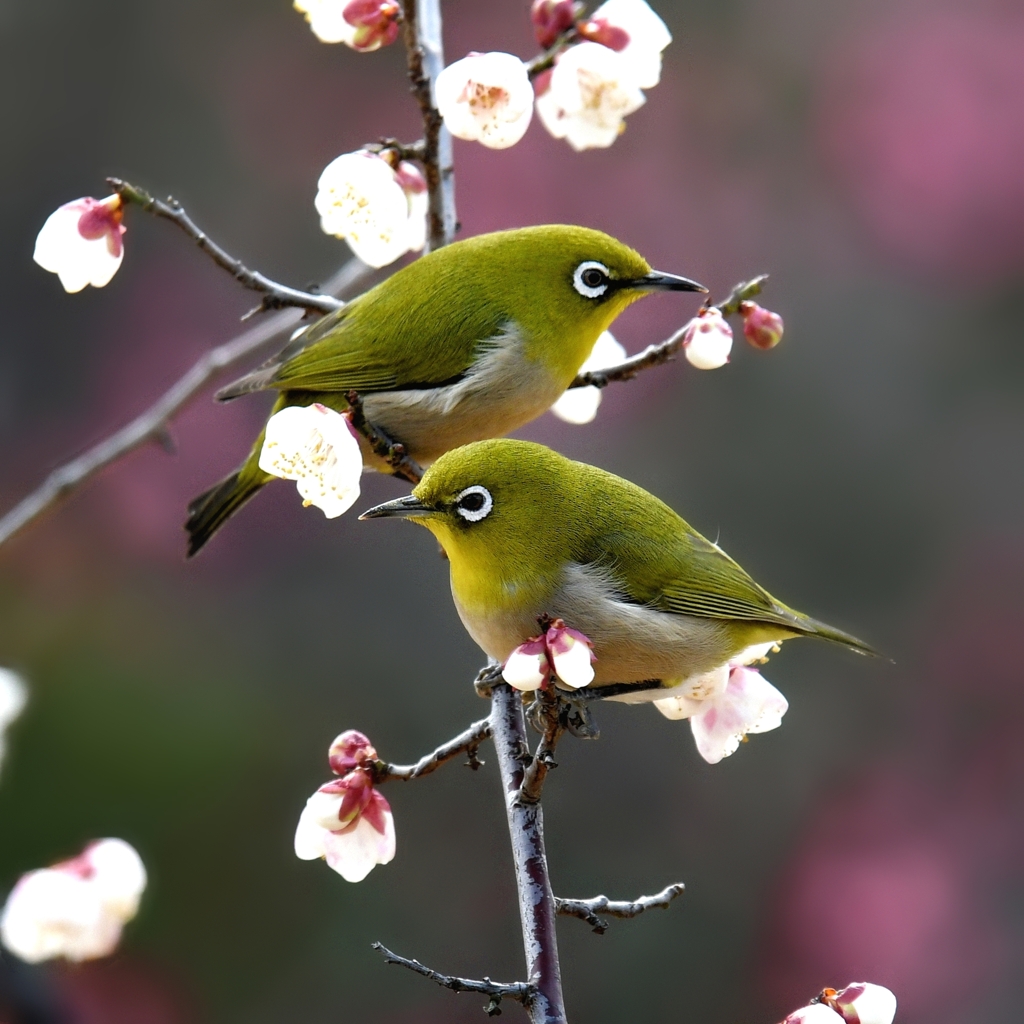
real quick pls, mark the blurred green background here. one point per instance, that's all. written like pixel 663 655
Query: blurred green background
pixel 868 155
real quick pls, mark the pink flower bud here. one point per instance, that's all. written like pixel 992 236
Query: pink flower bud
pixel 349 751
pixel 375 22
pixel 551 18
pixel 761 327
pixel 863 1003
pixel 708 340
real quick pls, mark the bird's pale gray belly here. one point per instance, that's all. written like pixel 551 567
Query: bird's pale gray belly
pixel 503 390
pixel 632 642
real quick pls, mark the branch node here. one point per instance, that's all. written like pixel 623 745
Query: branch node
pixel 467 742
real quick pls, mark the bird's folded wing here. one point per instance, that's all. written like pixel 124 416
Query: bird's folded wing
pixel 374 344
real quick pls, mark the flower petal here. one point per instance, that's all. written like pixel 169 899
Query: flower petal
pixel 119 876
pixel 592 90
pixel 78 261
pixel 579 405
pixel 816 1013
pixel 708 340
pixel 309 835
pixel 527 668
pixel 750 704
pixel 864 1003
pixel 486 98
pixel 315 447
pixel 648 36
pixel 356 851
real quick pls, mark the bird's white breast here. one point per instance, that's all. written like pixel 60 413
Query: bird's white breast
pixel 501 391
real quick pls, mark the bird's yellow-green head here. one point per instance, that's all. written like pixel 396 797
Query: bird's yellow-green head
pixel 561 284
pixel 504 512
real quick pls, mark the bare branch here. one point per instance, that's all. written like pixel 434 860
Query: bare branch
pixel 546 717
pixel 586 910
pixel 391 452
pixel 152 424
pixel 422 34
pixel 275 296
pixel 526 830
pixel 467 742
pixel 655 355
pixel 518 990
pixel 546 60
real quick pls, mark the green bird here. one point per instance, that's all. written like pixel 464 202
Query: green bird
pixel 531 536
pixel 466 343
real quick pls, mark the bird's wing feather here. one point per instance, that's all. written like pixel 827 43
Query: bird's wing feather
pixel 382 341
pixel 663 563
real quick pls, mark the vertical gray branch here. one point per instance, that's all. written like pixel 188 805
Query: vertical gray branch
pixel 526 829
pixel 425 49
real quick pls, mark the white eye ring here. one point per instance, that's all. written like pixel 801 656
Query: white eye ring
pixel 474 515
pixel 586 290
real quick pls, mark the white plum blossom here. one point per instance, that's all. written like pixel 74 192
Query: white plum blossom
pixel 726 704
pixel 579 405
pixel 347 822
pixel 380 210
pixel 81 242
pixel 861 1002
pixel 560 651
pixel 75 909
pixel 633 30
pixel 13 696
pixel 362 24
pixel 707 340
pixel 317 448
pixel 590 91
pixel 486 98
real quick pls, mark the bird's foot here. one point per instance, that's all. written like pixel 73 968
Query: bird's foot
pixel 486 679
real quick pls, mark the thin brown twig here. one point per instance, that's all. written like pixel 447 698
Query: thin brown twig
pixel 275 296
pixel 496 990
pixel 547 715
pixel 468 742
pixel 655 355
pixel 152 424
pixel 393 453
pixel 586 910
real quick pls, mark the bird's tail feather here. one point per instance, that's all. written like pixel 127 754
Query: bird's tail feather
pixel 208 513
pixel 812 627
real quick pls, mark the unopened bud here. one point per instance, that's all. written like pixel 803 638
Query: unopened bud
pixel 551 18
pixel 708 340
pixel 600 30
pixel 761 327
pixel 349 751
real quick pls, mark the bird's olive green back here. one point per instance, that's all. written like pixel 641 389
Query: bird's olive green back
pixel 549 510
pixel 424 325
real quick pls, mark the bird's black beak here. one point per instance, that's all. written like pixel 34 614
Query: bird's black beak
pixel 408 506
pixel 656 281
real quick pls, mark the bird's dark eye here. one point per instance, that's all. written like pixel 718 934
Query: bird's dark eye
pixel 474 503
pixel 591 279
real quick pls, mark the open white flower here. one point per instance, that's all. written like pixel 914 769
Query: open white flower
pixel 81 242
pixel 590 92
pixel 726 704
pixel 379 210
pixel 13 695
pixel 347 822
pixel 707 341
pixel 75 909
pixel 486 98
pixel 317 448
pixel 362 24
pixel 579 405
pixel 638 35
